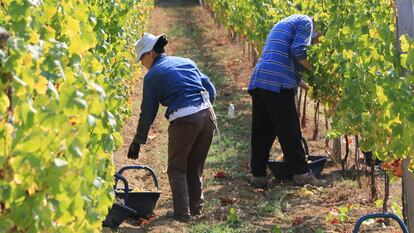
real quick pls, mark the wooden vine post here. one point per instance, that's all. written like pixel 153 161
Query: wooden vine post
pixel 316 122
pixel 337 150
pixel 303 121
pixel 405 26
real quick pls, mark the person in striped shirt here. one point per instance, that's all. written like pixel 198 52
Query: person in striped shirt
pixel 273 86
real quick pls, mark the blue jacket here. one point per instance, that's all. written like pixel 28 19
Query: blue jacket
pixel 174 82
pixel 285 45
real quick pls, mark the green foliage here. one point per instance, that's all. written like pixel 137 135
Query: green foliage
pixel 70 64
pixel 233 225
pixel 208 228
pixel 277 229
pixel 379 203
pixel 340 214
pixel 357 68
pixel 274 206
pixel 397 209
pixel 233 219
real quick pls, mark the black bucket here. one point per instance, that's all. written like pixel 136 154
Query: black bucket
pixel 281 170
pixel 368 158
pixel 118 212
pixel 142 202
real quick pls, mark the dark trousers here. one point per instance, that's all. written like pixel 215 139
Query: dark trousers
pixel 189 139
pixel 274 115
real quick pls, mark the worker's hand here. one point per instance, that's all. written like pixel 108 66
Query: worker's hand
pixel 133 151
pixel 304 85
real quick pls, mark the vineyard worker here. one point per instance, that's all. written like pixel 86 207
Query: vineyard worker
pixel 273 86
pixel 188 94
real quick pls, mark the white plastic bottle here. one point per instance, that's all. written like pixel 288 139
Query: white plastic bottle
pixel 230 112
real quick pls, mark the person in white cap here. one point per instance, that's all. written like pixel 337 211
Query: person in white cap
pixel 177 83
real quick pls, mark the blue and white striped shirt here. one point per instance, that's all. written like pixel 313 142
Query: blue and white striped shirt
pixel 285 45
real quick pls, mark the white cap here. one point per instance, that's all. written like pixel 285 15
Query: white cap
pixel 145 44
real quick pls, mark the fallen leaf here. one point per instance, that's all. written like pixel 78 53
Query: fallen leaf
pixel 279 158
pixel 152 136
pixel 308 193
pixel 259 190
pixel 151 218
pixel 335 221
pixel 142 221
pixel 219 174
pixel 368 222
pixel 297 221
pixel 227 200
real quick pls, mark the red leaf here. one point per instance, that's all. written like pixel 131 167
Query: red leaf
pixel 142 221
pixel 386 166
pixel 151 218
pixel 297 221
pixel 396 162
pixel 335 221
pixel 398 171
pixel 219 174
pixel 380 220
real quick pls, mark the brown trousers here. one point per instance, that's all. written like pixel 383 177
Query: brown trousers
pixel 189 139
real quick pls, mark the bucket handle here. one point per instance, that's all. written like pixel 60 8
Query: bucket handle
pixel 121 177
pixel 380 215
pixel 305 145
pixel 137 167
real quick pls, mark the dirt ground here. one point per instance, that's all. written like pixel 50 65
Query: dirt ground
pixel 231 205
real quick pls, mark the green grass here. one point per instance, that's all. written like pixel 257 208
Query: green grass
pixel 233 150
pixel 274 206
pixel 219 228
pixel 233 224
pixel 347 184
pixel 294 229
pixel 234 147
pixel 177 31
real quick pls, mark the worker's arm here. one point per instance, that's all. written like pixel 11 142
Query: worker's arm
pixel 301 41
pixel 306 64
pixel 304 85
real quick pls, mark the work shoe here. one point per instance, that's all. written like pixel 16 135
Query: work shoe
pixel 259 181
pixel 197 215
pixel 178 217
pixel 308 178
pixel 198 212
